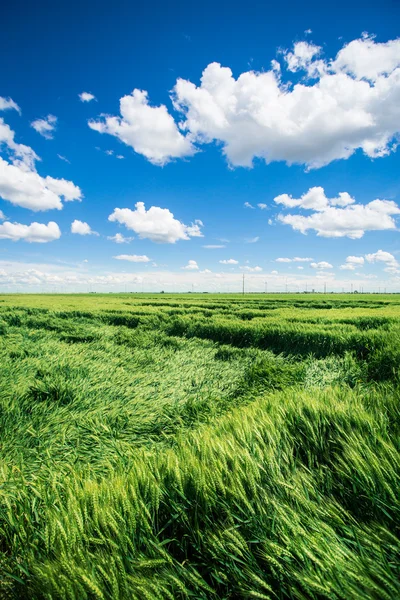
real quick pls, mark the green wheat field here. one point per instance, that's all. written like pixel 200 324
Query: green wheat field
pixel 199 446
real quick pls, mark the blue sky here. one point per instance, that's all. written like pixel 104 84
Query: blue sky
pixel 284 106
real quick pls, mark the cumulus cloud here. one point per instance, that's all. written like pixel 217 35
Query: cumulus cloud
pixel 28 189
pixel 45 126
pixel 82 228
pixel 229 261
pixel 262 205
pixel 35 232
pixel 118 238
pixel 381 256
pixel 157 224
pixel 191 266
pixel 367 59
pixel 251 269
pixel 392 265
pixel 86 97
pixel 352 262
pixel 314 199
pixel 302 56
pixel 8 103
pixel 22 155
pixel 343 104
pixel 149 130
pixel 214 246
pixel 21 184
pixel 321 265
pixel 248 205
pixel 339 216
pixel 260 115
pixel 133 258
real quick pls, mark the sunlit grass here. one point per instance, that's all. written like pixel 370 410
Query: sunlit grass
pixel 199 446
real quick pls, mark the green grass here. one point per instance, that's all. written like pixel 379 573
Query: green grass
pixel 199 446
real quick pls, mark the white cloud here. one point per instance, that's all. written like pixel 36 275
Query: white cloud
pixel 253 240
pixel 149 130
pixel 350 219
pixel 214 246
pixel 8 103
pixel 229 261
pixel 352 103
pixel 386 258
pixel 355 260
pixel 191 266
pixel 23 156
pixel 2 216
pixel 82 228
pixel 301 268
pixel 260 115
pixel 295 259
pixel 61 157
pixel 262 206
pixel 65 277
pixel 302 56
pixel 325 275
pixel 133 258
pixel 45 126
pixel 120 157
pixel 275 66
pixel 248 205
pixel 35 232
pixel 314 199
pixel 274 272
pixel 352 262
pixel 21 184
pixel 367 59
pixel 380 256
pixel 118 238
pixel 28 189
pixel 86 97
pixel 252 269
pixel 157 224
pixel 321 265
